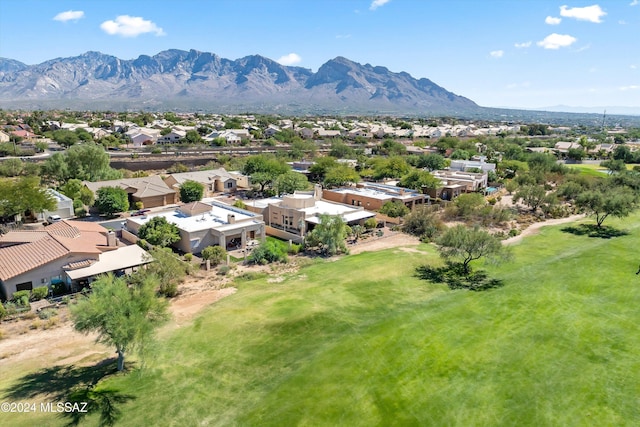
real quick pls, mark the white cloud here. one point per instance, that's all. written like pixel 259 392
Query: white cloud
pixel 496 53
pixel 552 20
pixel 378 3
pixel 290 59
pixel 69 15
pixel 632 87
pixel 556 41
pixel 343 36
pixel 588 13
pixel 130 26
pixel 522 45
pixel 634 3
pixel 522 85
pixel 633 66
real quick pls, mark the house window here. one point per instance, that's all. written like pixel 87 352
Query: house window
pixel 229 184
pixel 26 286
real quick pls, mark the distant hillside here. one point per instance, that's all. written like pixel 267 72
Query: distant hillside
pixel 176 79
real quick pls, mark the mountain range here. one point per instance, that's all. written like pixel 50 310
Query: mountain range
pixel 194 80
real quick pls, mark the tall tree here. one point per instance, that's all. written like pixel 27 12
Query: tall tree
pixel 465 244
pixel 124 317
pixel 290 182
pixel 191 191
pixel 111 200
pixel 24 195
pixel 160 232
pixel 615 201
pixel 329 235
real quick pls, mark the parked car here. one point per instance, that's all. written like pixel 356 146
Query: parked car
pixel 54 218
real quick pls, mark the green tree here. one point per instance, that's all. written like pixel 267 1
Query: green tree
pixel 531 195
pixel 290 182
pixel 431 162
pixel 24 196
pixel 215 254
pixel 329 235
pixel 604 202
pixel 423 223
pixel 111 200
pixel 193 137
pixel 191 191
pixel 160 232
pixel 264 169
pixel 394 209
pixel 340 175
pixel 468 204
pixel 65 137
pixel 463 244
pixel 167 270
pixel 318 170
pixel 124 317
pixel 392 167
pixel 267 252
pixel 419 180
pixel 86 161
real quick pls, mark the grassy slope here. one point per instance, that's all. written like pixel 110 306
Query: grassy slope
pixel 360 341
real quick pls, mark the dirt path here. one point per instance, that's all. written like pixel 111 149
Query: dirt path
pixel 391 239
pixel 61 345
pixel 533 228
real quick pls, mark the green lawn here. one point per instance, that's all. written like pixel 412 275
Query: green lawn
pixel 362 342
pixel 588 169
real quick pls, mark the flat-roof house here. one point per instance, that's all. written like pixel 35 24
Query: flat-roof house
pixel 69 252
pixel 472 181
pixel 290 217
pixel 373 196
pixel 208 224
pixel 150 190
pixel 214 181
pixel 465 165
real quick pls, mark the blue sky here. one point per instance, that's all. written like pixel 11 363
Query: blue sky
pixel 499 53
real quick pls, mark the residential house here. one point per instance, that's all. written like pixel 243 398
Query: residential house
pixel 290 217
pixel 214 181
pixel 150 190
pixel 471 181
pixel 465 165
pixel 270 131
pixel 172 137
pixel 372 196
pixel 4 137
pixel 67 252
pixel 208 224
pixel 565 146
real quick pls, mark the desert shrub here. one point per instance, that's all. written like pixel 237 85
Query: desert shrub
pixel 514 232
pixel 371 223
pixel 156 150
pixel 239 204
pixel 39 293
pixel 267 252
pixel 250 275
pixel 188 257
pixel 21 298
pixel 423 224
pixel 10 308
pixel 294 249
pixel 3 312
pixel 47 313
pixel 77 204
pixel 215 254
pixel 224 270
pixel 80 212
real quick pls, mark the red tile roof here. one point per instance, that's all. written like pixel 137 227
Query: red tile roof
pixel 19 259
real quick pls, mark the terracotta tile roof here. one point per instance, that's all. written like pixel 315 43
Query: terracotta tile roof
pixel 26 236
pixel 78 264
pixel 32 249
pixel 147 186
pixel 19 259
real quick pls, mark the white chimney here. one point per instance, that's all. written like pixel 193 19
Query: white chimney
pixel 111 239
pixel 231 219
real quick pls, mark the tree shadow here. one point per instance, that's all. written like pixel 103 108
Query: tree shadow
pixel 68 383
pixel 454 276
pixel 592 230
